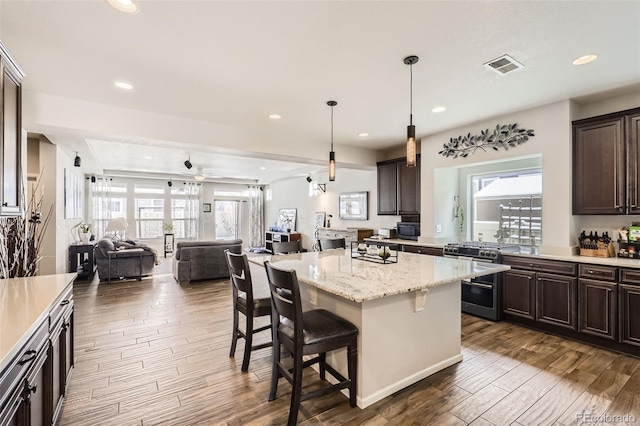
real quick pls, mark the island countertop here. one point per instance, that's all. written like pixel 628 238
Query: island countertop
pixel 24 304
pixel 335 272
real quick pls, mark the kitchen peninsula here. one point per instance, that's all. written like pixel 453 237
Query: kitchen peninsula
pixel 408 313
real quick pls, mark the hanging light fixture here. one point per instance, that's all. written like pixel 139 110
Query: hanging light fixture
pixel 332 155
pixel 411 129
pixel 77 161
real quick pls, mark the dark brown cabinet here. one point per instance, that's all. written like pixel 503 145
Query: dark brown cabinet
pixel 11 134
pixel 629 306
pixel 597 311
pixel 519 293
pixel 541 290
pixel 427 250
pixel 556 300
pixel 605 164
pixel 398 188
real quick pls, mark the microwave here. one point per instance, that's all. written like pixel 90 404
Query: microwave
pixel 408 230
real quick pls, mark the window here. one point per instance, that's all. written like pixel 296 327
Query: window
pixel 184 217
pixel 149 217
pixel 510 202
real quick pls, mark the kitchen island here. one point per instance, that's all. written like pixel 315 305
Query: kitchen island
pixel 408 313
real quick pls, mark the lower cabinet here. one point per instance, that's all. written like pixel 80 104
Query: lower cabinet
pixel 431 251
pixel 556 300
pixel 597 313
pixel 519 293
pixel 36 398
pixel 629 307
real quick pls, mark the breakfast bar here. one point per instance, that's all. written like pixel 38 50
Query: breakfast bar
pixel 407 313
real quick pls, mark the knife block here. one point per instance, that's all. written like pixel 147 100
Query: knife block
pixel 601 251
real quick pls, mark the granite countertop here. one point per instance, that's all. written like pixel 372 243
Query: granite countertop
pixel 335 272
pixel 24 304
pixel 405 242
pixel 608 261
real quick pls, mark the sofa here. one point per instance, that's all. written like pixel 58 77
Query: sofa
pixel 128 259
pixel 203 260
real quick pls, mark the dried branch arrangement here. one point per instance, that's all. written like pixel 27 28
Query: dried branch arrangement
pixel 21 237
pixel 505 137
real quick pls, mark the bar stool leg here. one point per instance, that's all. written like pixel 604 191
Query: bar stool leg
pixel 234 336
pixel 275 375
pixel 296 392
pixel 248 342
pixel 352 370
pixel 322 364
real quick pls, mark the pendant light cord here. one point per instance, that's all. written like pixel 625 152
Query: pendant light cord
pixel 411 95
pixel 332 128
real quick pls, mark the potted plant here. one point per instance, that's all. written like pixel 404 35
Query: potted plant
pixel 167 228
pixel 85 232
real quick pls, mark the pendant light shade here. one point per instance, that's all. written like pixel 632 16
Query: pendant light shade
pixel 411 129
pixel 332 154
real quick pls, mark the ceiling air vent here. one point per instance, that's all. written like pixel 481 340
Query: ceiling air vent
pixel 503 64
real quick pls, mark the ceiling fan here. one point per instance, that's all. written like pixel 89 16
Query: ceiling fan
pixel 199 174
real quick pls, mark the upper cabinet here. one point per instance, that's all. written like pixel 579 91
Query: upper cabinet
pixel 10 136
pixel 605 164
pixel 398 188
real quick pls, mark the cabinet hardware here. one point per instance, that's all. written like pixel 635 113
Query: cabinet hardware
pixel 31 356
pixel 64 302
pixel 65 326
pixel 33 388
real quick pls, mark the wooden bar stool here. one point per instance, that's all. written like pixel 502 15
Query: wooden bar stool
pixel 286 247
pixel 332 243
pixel 312 332
pixel 251 304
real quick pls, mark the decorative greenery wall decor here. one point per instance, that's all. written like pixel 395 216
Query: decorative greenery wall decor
pixel 508 136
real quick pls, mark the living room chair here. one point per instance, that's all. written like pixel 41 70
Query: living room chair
pixel 332 243
pixel 307 333
pixel 251 303
pixel 287 247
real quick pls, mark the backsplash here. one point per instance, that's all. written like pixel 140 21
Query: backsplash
pixel 609 224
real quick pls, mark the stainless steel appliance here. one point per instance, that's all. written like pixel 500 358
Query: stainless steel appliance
pixel 481 296
pixel 408 230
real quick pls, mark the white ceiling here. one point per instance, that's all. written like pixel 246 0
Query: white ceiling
pixel 231 63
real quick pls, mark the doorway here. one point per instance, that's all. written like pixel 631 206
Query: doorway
pixel 226 219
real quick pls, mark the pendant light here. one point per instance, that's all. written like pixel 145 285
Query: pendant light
pixel 332 155
pixel 411 129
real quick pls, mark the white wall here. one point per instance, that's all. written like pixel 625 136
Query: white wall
pixel 294 193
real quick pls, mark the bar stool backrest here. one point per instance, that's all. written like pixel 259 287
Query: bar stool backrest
pixel 285 301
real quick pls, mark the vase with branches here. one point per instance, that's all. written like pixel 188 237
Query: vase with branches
pixel 21 236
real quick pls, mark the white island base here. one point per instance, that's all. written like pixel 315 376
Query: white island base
pixel 401 341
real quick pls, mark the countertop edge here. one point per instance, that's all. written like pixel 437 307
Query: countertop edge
pixel 15 350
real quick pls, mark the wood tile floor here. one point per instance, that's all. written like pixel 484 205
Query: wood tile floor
pixel 156 353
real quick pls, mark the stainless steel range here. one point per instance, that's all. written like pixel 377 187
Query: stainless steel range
pixel 481 296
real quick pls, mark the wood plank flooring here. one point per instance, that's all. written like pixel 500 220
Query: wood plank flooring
pixel 156 353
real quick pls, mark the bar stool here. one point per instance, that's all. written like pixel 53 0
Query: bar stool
pixel 332 243
pixel 312 332
pixel 286 247
pixel 251 304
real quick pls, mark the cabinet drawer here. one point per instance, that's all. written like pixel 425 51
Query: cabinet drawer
pixel 539 265
pixel 598 272
pixel 431 251
pixel 15 372
pixel 631 276
pixel 63 304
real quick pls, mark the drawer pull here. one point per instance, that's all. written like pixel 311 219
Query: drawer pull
pixel 64 302
pixel 65 326
pixel 33 388
pixel 31 356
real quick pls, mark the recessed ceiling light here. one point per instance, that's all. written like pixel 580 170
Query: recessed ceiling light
pixel 275 116
pixel 363 135
pixel 123 85
pixel 146 157
pixel 263 168
pixel 438 109
pixel 126 6
pixel 585 59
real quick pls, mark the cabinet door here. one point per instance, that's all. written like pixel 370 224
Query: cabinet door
pixel 519 293
pixel 408 188
pixel 599 167
pixel 633 147
pixel 13 412
pixel 388 188
pixel 597 312
pixel 66 345
pixel 10 142
pixel 431 251
pixel 629 313
pixel 37 394
pixel 556 300
pixel 55 366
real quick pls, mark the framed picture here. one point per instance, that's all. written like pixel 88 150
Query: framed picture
pixel 287 220
pixel 206 207
pixel 354 205
pixel 319 222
